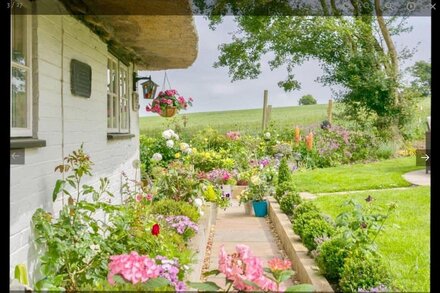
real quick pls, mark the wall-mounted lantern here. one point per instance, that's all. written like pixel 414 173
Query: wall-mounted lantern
pixel 149 87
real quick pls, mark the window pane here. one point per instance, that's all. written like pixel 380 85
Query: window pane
pixel 109 111
pixel 108 75
pixel 113 77
pixel 124 114
pixel 19 98
pixel 19 39
pixel 115 112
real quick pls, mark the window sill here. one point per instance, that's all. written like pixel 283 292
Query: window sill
pixel 119 135
pixel 27 142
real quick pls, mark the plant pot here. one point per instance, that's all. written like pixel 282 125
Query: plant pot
pixel 260 208
pixel 237 189
pixel 226 191
pixel 248 210
pixel 169 112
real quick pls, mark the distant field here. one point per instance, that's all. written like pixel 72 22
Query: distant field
pixel 246 121
pixel 249 121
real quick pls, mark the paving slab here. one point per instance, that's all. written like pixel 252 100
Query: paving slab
pixel 233 227
pixel 419 177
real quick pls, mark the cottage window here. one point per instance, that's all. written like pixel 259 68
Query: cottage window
pixel 21 69
pixel 117 96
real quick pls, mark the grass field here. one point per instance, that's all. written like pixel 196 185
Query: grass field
pixel 405 243
pixel 249 121
pixel 246 121
pixel 377 175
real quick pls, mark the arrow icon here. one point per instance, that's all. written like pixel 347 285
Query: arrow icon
pixel 426 157
pixel 14 156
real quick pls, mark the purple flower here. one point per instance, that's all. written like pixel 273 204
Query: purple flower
pixel 181 223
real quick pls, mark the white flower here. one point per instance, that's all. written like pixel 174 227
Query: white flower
pixel 95 247
pixel 170 143
pixel 184 146
pixel 267 135
pixel 198 202
pixel 156 157
pixel 255 180
pixel 188 151
pixel 168 134
pixel 176 136
pixel 201 213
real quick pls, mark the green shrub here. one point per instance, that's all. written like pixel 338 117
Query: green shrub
pixel 305 207
pixel 315 228
pixel 289 201
pixel 284 173
pixel 171 207
pixel 330 258
pixel 300 221
pixel 362 269
pixel 282 188
pixel 386 150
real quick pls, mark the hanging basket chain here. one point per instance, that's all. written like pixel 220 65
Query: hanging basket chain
pixel 165 78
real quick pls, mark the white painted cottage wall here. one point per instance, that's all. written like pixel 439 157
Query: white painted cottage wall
pixel 85 121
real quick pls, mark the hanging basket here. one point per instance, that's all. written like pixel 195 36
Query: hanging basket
pixel 169 112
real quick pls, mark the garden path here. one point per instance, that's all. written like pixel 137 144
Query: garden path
pixel 234 227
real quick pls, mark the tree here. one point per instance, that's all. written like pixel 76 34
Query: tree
pixel 421 71
pixel 357 53
pixel 307 100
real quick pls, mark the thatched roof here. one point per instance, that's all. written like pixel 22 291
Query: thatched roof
pixel 155 34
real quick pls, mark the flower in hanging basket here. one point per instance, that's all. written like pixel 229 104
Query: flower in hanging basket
pixel 168 102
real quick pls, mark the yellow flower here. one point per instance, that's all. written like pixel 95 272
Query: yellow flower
pixel 177 155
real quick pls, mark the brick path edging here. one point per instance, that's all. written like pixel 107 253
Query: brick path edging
pixel 199 241
pixel 304 265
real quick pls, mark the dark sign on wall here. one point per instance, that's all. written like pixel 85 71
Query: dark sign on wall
pixel 80 79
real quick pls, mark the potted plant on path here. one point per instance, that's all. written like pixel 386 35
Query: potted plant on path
pixel 258 190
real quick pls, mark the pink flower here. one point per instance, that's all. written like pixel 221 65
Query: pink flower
pixel 277 264
pixel 138 197
pixel 233 135
pixel 191 99
pixel 149 197
pixel 242 265
pixel 132 267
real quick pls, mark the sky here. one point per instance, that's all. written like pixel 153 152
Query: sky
pixel 212 89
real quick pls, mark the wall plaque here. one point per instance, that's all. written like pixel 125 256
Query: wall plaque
pixel 80 78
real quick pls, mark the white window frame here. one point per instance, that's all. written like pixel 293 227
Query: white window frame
pixel 117 95
pixel 21 131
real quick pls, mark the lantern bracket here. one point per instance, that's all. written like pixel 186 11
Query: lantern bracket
pixel 136 78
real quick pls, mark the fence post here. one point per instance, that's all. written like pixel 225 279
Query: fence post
pixel 268 114
pixel 264 110
pixel 330 111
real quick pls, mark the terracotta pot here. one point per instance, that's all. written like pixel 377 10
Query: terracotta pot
pixel 169 112
pixel 248 209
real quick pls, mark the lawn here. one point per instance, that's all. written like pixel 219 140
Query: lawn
pixel 249 121
pixel 377 175
pixel 405 244
pixel 246 121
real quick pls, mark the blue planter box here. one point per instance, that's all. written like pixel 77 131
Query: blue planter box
pixel 260 208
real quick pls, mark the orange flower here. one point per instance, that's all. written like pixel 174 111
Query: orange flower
pixel 297 135
pixel 309 141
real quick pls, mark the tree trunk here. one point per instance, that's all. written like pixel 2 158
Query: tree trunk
pixel 390 46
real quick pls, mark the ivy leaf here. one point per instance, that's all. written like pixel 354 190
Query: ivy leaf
pixel 156 283
pixel 118 279
pixel 285 275
pixel 301 288
pixel 206 286
pixel 21 274
pixel 250 283
pixel 212 272
pixel 58 186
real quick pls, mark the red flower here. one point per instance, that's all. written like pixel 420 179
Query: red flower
pixel 155 229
